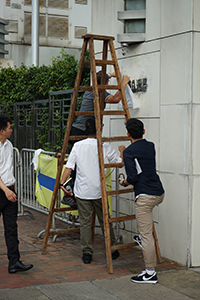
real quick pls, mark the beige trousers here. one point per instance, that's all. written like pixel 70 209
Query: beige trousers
pixel 143 211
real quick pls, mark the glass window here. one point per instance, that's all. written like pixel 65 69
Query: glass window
pixel 135 4
pixel 81 1
pixel 134 26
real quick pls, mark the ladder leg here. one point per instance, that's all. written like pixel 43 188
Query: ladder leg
pixel 65 143
pixel 101 159
pixel 93 225
pixel 159 259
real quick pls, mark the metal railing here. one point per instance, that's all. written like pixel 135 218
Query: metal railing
pixel 25 186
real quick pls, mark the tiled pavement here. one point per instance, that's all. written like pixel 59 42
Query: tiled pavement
pixel 62 262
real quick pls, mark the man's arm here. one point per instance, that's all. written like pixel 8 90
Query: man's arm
pixel 117 96
pixel 65 175
pixel 10 195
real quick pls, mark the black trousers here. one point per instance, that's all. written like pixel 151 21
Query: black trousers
pixel 9 211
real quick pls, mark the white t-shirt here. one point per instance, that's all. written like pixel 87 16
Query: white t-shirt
pixel 84 155
pixel 6 163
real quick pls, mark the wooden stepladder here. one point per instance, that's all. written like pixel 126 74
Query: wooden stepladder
pixel 98 113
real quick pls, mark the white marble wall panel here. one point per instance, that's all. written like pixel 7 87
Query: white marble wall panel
pixel 145 66
pixel 175 139
pixel 176 69
pixel 173 218
pixel 196 15
pixel 195 240
pixel 176 16
pixel 196 67
pixel 195 140
pixel 104 19
pixel 153 19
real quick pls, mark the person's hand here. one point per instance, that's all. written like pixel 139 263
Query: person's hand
pixel 10 195
pixel 123 182
pixel 125 79
pixel 69 193
pixel 121 148
pixel 112 74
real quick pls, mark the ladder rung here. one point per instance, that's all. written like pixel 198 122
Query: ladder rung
pixel 116 165
pixel 85 88
pixel 123 246
pixel 100 87
pixel 98 37
pixel 84 113
pixel 63 231
pixel 104 113
pixel 105 139
pixel 117 192
pixel 116 138
pixel 113 112
pixel 119 219
pixel 63 209
pixel 77 137
pixel 100 62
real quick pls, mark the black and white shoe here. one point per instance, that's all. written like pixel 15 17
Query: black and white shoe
pixel 137 239
pixel 144 277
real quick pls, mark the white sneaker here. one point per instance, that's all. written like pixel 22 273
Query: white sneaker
pixel 137 239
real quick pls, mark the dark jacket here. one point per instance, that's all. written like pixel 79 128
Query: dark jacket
pixel 140 165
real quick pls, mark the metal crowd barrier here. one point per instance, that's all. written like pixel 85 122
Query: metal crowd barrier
pixel 25 186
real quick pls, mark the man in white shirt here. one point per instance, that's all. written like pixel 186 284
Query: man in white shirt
pixel 8 198
pixel 87 187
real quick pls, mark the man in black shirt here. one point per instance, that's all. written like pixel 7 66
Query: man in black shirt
pixel 140 166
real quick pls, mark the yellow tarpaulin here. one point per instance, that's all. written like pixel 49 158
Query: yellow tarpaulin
pixel 45 181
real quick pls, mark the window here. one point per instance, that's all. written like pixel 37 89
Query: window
pixel 134 19
pixel 136 25
pixel 81 1
pixel 63 4
pixel 135 4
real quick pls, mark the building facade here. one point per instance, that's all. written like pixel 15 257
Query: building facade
pixel 157 44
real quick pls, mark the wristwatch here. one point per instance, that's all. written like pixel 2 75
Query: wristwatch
pixel 123 183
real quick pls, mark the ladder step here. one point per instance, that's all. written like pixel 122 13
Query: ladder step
pixel 98 37
pixel 117 192
pixel 123 246
pixel 119 219
pixel 103 112
pixel 64 231
pixel 105 139
pixel 100 87
pixel 100 62
pixel 116 138
pixel 114 165
pixel 67 208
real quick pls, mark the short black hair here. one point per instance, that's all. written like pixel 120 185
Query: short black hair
pixel 4 122
pixel 90 126
pixel 99 77
pixel 135 128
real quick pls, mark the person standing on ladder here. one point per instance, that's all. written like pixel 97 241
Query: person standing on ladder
pixel 140 166
pixel 87 188
pixel 8 198
pixel 78 127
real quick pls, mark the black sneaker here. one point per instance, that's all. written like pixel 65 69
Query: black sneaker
pixel 144 277
pixel 115 254
pixel 87 258
pixel 137 239
pixel 69 200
